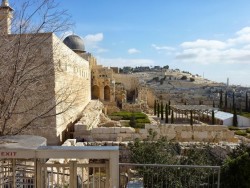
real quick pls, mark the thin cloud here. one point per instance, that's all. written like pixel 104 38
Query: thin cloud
pixel 163 48
pixel 133 51
pixel 93 38
pixel 243 37
pixel 231 51
pixel 93 43
pixel 211 44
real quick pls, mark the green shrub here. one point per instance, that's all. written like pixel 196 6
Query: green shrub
pixel 184 78
pixel 192 79
pixel 233 128
pixel 241 133
pixel 136 119
pixel 143 120
pixel 248 130
pixel 139 126
pixel 248 136
pixel 127 115
pixel 115 118
pixel 245 114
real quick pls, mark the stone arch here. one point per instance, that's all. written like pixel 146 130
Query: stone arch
pixel 107 93
pixel 95 92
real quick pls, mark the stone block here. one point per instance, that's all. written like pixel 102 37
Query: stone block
pixel 117 129
pixel 150 126
pixel 106 130
pixel 129 130
pixel 200 135
pixel 186 135
pixel 136 135
pixel 143 131
pixel 113 137
pixel 109 143
pixel 198 128
pixel 96 130
pixel 101 137
pixel 125 136
pixel 80 127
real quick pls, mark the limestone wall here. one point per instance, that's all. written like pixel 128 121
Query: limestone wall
pixel 103 85
pixel 128 80
pixel 147 95
pixel 197 133
pixel 72 84
pixel 32 91
pixel 180 133
pixel 52 84
pixel 113 133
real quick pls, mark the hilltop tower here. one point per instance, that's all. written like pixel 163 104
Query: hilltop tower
pixel 6 14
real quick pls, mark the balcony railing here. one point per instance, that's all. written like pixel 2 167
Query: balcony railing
pixel 168 176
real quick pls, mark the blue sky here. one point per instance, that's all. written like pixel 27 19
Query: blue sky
pixel 206 37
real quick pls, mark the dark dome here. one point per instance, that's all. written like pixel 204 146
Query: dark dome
pixel 75 43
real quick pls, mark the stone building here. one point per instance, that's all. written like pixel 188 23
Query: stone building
pixel 45 85
pixel 103 84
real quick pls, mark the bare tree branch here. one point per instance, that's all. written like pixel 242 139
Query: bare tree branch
pixel 26 94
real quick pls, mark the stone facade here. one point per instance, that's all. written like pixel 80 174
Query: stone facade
pixel 179 133
pixel 103 84
pixel 52 90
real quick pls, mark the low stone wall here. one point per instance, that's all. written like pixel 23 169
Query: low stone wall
pixel 197 133
pixel 113 133
pixel 176 132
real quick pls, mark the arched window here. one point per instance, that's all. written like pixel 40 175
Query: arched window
pixel 95 92
pixel 107 93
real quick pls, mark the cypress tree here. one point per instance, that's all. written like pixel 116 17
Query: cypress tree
pixel 155 104
pixel 213 119
pixel 172 116
pixel 233 101
pixel 166 113
pixel 132 121
pixel 235 121
pixel 158 110
pixel 161 111
pixel 246 102
pixel 191 117
pixel 213 104
pixel 225 101
pixel 221 102
pixel 169 109
pixel 249 106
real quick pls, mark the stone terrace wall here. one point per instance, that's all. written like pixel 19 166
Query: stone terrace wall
pixel 180 133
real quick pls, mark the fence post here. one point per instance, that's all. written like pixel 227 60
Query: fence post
pixel 38 174
pixel 14 172
pixel 107 183
pixel 73 174
pixel 114 169
pixel 218 184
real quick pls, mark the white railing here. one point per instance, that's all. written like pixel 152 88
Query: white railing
pixel 168 176
pixel 60 166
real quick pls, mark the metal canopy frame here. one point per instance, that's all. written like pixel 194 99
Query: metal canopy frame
pixel 186 109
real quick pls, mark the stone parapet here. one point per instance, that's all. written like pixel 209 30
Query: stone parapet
pixel 175 132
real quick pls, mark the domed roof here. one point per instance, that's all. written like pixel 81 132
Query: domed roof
pixel 75 43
